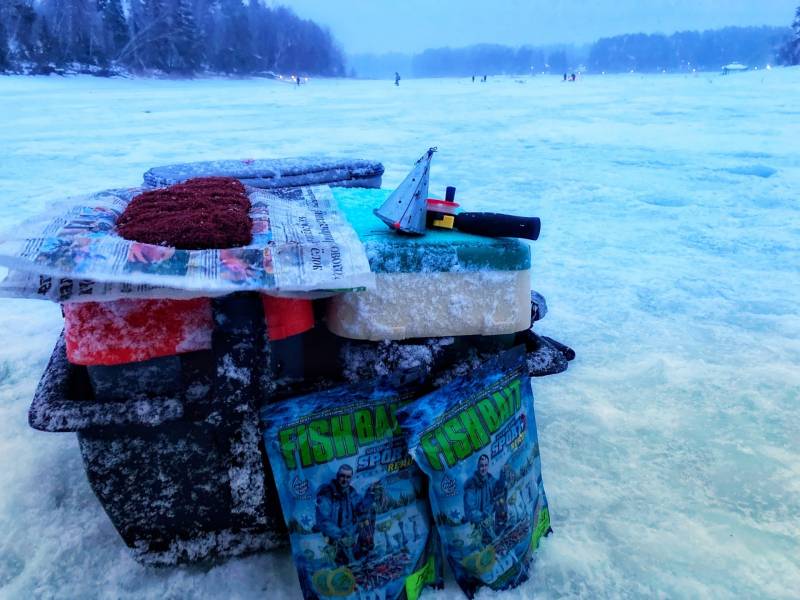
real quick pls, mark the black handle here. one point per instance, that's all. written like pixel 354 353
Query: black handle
pixel 498 225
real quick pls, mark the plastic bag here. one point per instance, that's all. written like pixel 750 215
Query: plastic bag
pixel 476 441
pixel 353 500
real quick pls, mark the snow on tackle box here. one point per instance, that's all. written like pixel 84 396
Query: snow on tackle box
pixel 443 284
pixel 274 173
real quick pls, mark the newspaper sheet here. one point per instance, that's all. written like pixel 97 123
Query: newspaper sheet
pixel 302 246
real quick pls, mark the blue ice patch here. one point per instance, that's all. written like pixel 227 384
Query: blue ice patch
pixel 753 170
pixel 476 441
pixel 353 500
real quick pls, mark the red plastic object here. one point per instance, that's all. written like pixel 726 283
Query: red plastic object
pixel 124 331
pixel 286 316
pixel 442 206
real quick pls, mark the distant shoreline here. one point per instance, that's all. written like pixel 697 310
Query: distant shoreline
pixel 287 80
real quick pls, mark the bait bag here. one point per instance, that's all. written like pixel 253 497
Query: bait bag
pixel 353 500
pixel 476 441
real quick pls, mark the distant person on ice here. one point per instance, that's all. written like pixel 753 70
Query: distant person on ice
pixel 565 76
pixel 396 78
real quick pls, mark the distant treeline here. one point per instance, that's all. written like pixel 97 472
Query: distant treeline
pixel 684 51
pixel 687 50
pixel 179 37
pixel 478 60
pixel 491 59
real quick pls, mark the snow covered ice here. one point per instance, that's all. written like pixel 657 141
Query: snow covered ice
pixel 669 257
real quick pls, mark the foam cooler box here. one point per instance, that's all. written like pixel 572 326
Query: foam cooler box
pixel 444 283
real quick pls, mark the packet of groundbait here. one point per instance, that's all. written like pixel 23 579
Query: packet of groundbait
pixel 354 501
pixel 476 441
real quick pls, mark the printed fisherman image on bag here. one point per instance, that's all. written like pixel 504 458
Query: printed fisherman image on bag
pixel 353 500
pixel 476 441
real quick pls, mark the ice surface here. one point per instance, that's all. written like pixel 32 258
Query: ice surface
pixel 669 258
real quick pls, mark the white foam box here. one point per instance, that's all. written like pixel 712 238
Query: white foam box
pixel 444 283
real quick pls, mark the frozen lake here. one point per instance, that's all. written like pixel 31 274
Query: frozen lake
pixel 669 256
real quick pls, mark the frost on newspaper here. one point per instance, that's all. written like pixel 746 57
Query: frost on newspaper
pixel 301 244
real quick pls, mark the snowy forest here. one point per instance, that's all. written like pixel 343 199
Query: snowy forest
pixel 173 37
pixel 790 53
pixel 194 37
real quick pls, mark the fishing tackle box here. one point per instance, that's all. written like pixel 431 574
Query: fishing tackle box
pixel 181 475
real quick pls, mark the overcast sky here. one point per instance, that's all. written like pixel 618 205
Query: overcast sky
pixel 379 26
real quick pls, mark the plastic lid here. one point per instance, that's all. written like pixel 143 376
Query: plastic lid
pixel 442 206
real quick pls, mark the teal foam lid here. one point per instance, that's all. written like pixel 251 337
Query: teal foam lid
pixel 438 251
